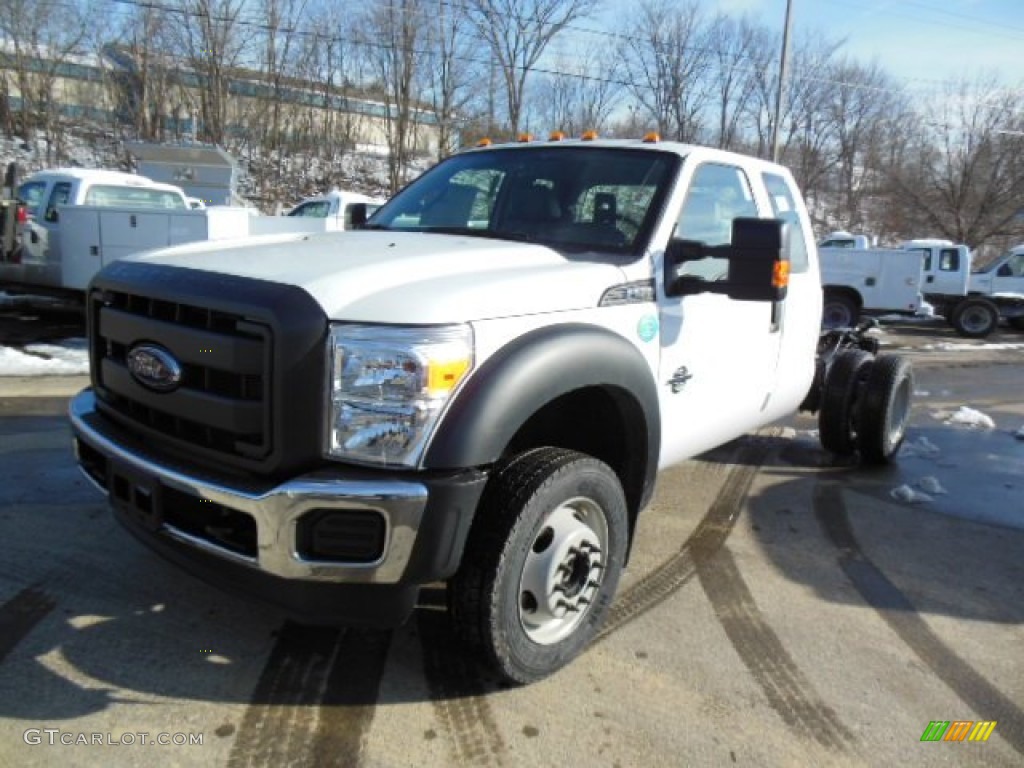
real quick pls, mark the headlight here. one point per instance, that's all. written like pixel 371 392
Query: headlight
pixel 389 386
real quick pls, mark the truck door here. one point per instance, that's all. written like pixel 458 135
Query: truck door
pixel 946 270
pixel 718 355
pixel 1009 276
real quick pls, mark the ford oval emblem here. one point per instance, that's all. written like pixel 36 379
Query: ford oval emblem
pixel 154 367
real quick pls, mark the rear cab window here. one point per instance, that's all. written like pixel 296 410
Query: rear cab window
pixel 60 195
pixel 111 195
pixel 784 207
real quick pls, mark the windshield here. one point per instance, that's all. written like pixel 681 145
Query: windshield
pixel 571 198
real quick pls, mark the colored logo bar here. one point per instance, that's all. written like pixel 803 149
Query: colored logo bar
pixel 958 730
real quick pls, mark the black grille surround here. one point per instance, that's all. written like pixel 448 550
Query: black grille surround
pixel 252 352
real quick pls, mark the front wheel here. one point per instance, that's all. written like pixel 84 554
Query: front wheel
pixel 975 318
pixel 839 310
pixel 542 562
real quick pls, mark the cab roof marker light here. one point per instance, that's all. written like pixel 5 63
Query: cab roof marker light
pixel 652 138
pixel 525 138
pixel 484 142
pixel 589 135
pixel 556 136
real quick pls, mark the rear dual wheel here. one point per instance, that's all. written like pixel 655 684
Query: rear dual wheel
pixel 865 405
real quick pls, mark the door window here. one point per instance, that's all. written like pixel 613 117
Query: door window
pixel 949 260
pixel 31 194
pixel 717 195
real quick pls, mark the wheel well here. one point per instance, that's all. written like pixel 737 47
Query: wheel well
pixel 845 291
pixel 604 422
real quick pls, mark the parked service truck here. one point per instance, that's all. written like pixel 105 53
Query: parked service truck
pixel 477 387
pixel 857 279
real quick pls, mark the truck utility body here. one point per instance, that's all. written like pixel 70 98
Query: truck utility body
pixel 477 387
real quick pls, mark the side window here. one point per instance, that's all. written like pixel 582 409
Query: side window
pixel 316 209
pixel 31 194
pixel 1017 264
pixel 784 207
pixel 949 260
pixel 717 195
pixel 59 196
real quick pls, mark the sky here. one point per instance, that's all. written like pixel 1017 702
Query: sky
pixel 921 43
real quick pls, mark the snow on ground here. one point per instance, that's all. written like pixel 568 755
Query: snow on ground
pixel 948 346
pixel 967 416
pixel 68 358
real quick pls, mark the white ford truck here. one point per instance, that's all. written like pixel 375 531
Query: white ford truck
pixel 479 386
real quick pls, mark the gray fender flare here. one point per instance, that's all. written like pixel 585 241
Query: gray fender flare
pixel 530 372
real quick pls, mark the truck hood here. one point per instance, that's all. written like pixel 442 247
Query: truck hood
pixel 408 277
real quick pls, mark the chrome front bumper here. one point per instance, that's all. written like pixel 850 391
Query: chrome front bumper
pixel 276 510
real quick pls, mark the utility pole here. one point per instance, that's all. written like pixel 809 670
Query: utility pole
pixel 780 95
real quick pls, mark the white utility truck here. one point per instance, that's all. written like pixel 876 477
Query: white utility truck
pixel 860 279
pixel 46 196
pixel 76 221
pixel 479 386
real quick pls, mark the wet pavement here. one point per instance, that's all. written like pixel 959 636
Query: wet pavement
pixel 781 608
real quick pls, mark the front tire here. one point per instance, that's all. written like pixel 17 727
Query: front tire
pixel 542 562
pixel 975 318
pixel 839 310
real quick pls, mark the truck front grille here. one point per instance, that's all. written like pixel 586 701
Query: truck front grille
pixel 223 403
pixel 249 358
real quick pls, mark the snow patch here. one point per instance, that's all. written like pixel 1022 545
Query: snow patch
pixel 947 346
pixel 922 448
pixel 69 358
pixel 966 416
pixel 931 485
pixel 909 495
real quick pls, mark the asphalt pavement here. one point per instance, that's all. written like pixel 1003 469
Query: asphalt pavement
pixel 781 608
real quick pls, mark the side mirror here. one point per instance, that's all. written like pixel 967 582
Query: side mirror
pixel 757 263
pixel 51 215
pixel 357 215
pixel 1004 271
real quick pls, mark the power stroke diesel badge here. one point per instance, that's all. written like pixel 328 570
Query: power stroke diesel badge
pixel 154 367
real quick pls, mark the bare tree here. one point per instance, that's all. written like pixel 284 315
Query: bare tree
pixel 391 34
pixel 212 42
pixel 279 20
pixel 732 75
pixel 666 59
pixel 39 38
pixel 584 93
pixel 518 32
pixel 144 65
pixel 451 68
pixel 963 178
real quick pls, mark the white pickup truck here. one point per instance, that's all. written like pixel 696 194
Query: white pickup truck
pixel 478 387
